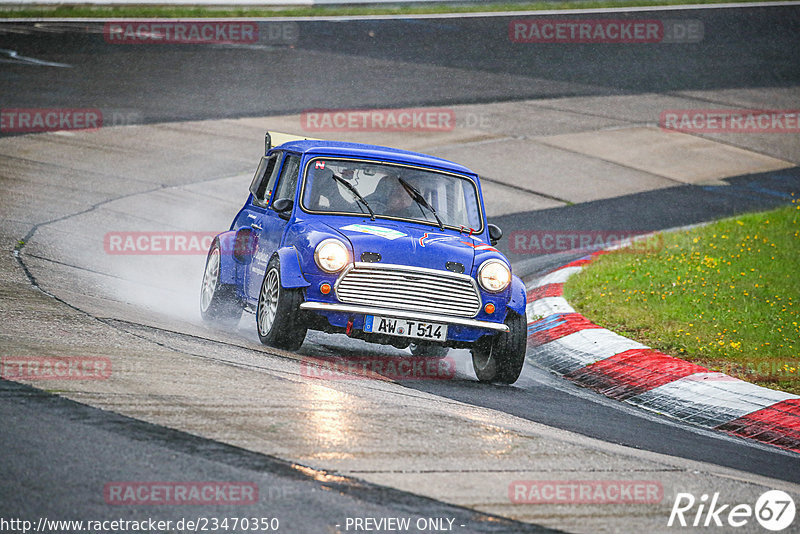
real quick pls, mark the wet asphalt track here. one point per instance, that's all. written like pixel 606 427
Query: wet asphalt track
pixel 59 448
pixel 200 82
pixel 741 49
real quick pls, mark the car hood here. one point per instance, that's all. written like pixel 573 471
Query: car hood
pixel 409 245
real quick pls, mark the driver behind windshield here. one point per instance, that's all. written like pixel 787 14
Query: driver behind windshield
pixel 390 198
pixel 326 195
pixel 363 189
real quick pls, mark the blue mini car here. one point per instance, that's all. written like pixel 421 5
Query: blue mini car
pixel 384 245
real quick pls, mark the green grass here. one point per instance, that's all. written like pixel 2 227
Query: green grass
pixel 724 296
pixel 146 11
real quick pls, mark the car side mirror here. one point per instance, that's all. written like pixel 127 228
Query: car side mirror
pixel 284 207
pixel 495 233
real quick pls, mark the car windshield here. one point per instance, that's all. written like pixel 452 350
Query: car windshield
pixel 367 188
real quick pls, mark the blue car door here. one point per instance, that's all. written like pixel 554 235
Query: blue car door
pixel 268 226
pixel 261 189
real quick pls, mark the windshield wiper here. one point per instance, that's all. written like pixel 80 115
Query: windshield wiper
pixel 350 187
pixel 417 197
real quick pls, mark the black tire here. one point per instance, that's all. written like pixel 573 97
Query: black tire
pixel 500 358
pixel 429 350
pixel 278 312
pixel 218 301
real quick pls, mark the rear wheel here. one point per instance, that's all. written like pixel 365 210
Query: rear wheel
pixel 278 313
pixel 218 302
pixel 429 350
pixel 500 358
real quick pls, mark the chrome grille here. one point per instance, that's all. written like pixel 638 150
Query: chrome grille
pixel 400 287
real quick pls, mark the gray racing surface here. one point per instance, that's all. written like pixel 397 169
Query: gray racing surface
pixel 73 448
pixel 388 63
pixel 58 454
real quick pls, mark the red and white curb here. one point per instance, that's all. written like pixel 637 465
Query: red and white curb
pixel 569 344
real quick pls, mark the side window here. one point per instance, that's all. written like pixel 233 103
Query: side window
pixel 264 179
pixel 288 182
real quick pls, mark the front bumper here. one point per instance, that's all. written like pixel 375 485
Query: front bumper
pixel 401 314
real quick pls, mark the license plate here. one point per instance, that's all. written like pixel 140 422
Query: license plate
pixel 405 328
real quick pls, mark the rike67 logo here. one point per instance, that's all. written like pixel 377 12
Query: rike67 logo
pixel 774 510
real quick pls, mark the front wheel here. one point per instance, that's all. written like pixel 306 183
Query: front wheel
pixel 278 314
pixel 500 358
pixel 218 302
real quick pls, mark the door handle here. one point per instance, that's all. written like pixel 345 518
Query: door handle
pixel 254 226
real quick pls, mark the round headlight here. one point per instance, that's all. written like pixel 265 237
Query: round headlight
pixel 494 275
pixel 331 255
